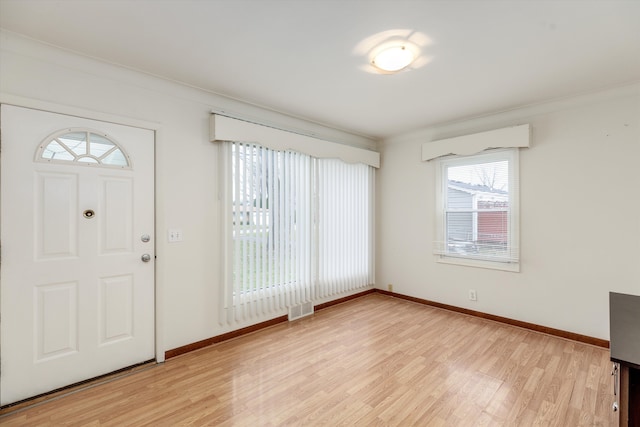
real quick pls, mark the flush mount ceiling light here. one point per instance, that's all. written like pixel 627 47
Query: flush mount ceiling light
pixel 393 51
pixel 393 59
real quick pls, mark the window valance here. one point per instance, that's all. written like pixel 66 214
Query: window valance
pixel 223 128
pixel 511 137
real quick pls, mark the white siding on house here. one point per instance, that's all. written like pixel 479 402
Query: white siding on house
pixel 460 224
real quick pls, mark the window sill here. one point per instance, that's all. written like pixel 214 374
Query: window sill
pixel 492 265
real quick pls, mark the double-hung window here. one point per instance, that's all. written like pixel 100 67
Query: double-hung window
pixel 477 218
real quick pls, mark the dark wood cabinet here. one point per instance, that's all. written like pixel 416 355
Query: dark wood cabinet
pixel 624 326
pixel 634 397
pixel 628 396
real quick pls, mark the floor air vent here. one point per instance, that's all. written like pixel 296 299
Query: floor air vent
pixel 300 310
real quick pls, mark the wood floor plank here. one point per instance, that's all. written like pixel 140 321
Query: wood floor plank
pixel 375 360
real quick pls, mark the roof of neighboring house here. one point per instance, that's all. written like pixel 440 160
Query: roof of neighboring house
pixel 476 188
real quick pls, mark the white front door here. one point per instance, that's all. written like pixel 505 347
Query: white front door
pixel 76 217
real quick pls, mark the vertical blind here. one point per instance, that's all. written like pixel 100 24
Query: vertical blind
pixel 345 226
pixel 295 228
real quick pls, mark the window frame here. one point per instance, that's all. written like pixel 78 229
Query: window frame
pixel 512 156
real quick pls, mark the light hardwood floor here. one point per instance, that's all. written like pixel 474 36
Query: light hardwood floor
pixel 375 360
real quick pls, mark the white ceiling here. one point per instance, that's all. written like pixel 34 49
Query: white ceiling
pixel 303 58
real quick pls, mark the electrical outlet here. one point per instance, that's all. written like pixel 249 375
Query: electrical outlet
pixel 174 235
pixel 390 287
pixel 472 295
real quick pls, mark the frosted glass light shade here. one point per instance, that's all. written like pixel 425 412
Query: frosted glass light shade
pixel 393 58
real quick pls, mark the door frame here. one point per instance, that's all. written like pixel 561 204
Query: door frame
pixel 155 127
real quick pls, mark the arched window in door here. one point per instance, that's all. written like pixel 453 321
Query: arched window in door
pixel 83 146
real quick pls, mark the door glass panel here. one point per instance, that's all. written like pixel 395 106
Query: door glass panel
pixel 55 151
pixel 82 146
pixel 100 145
pixel 115 158
pixel 75 141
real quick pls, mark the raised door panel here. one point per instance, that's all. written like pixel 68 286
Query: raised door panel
pixel 56 323
pixel 116 219
pixel 116 309
pixel 55 211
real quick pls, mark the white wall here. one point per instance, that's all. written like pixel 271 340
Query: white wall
pixel 580 216
pixel 35 75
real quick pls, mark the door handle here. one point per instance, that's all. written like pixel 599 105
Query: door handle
pixel 145 257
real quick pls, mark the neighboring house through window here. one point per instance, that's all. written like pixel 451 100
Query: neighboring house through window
pixel 477 210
